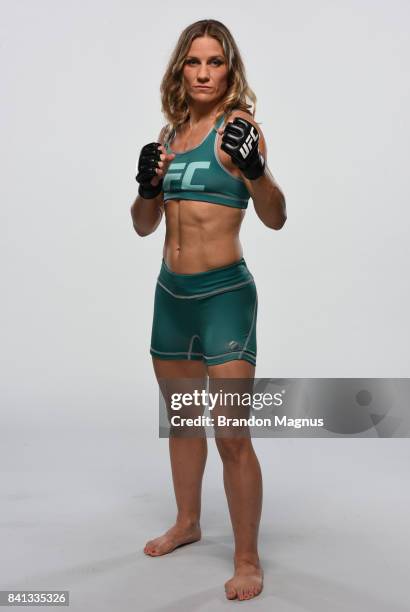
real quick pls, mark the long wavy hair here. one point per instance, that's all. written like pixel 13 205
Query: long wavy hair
pixel 173 95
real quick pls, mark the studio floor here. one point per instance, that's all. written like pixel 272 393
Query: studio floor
pixel 77 508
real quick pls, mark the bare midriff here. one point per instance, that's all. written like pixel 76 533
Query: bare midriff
pixel 201 236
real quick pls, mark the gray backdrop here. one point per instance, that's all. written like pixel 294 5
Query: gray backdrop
pixel 80 96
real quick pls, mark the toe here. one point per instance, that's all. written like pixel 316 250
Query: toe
pixel 230 593
pixel 256 590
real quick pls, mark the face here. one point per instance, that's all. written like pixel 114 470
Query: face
pixel 205 70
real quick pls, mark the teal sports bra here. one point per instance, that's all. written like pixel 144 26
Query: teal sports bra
pixel 198 174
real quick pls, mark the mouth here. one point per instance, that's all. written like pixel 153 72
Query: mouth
pixel 201 87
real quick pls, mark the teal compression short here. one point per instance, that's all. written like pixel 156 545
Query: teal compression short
pixel 209 316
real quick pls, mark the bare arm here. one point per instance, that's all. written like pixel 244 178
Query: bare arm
pixel 268 199
pixel 146 214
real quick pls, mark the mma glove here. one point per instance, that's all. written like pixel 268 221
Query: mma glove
pixel 240 139
pixel 147 164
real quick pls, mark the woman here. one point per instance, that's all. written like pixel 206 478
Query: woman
pixel 209 160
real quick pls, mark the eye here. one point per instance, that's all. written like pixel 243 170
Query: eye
pixel 215 61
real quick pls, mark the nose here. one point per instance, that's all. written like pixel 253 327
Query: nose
pixel 203 73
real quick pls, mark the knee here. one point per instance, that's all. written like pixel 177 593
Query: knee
pixel 233 449
pixel 185 431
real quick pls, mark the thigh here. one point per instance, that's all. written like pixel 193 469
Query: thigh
pixel 175 329
pixel 178 368
pixel 222 380
pixel 228 328
pixel 238 368
pixel 175 379
pixel 232 383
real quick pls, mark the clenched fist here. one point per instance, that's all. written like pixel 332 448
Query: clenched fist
pixel 240 139
pixel 152 166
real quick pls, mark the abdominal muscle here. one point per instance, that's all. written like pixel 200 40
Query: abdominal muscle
pixel 201 236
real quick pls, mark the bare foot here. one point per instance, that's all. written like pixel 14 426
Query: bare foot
pixel 246 583
pixel 176 536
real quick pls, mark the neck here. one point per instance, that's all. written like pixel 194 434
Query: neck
pixel 200 114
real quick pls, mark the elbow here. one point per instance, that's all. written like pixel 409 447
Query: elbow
pixel 277 224
pixel 144 227
pixel 283 214
pixel 140 231
pixel 282 222
pixel 137 227
pixel 277 217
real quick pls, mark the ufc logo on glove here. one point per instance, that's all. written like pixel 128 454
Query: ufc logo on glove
pixel 247 146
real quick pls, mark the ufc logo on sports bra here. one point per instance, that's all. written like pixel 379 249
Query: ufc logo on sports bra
pixel 187 175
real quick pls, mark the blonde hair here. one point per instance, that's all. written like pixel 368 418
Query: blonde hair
pixel 173 95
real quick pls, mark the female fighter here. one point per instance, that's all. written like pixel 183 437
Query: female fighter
pixel 209 160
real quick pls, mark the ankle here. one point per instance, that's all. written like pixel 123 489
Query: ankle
pixel 246 558
pixel 186 522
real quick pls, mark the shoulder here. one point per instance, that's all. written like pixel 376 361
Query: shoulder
pixel 164 133
pixel 248 117
pixel 236 112
pixel 243 115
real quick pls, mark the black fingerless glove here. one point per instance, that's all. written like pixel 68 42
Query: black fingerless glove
pixel 240 139
pixel 147 163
